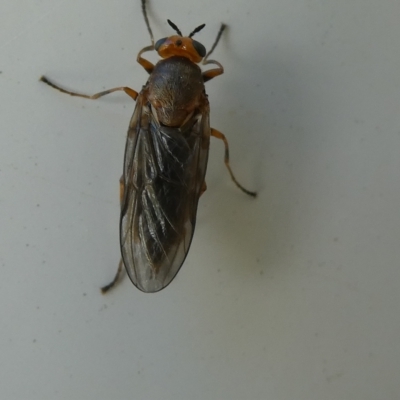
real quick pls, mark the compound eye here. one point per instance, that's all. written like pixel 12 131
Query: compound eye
pixel 159 43
pixel 201 50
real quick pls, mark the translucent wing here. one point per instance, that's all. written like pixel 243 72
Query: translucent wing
pixel 164 171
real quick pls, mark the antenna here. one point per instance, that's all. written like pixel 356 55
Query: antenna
pixel 198 29
pixel 174 27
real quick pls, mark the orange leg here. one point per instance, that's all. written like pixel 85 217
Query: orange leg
pixel 212 73
pixel 130 92
pixel 147 65
pixel 220 135
pixel 121 189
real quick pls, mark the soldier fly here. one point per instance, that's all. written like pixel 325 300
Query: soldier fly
pixel 165 158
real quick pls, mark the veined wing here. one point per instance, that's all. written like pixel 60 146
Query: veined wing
pixel 164 172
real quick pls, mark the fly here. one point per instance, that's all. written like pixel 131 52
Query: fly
pixel 165 159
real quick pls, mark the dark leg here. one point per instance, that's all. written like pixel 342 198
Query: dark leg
pixel 203 188
pixel 147 65
pixel 212 73
pixel 118 278
pixel 220 135
pixel 130 92
pixel 120 272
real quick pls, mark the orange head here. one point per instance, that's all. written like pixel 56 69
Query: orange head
pixel 178 45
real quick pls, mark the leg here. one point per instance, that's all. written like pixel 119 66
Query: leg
pixel 121 189
pixel 130 92
pixel 220 135
pixel 203 188
pixel 212 73
pixel 120 272
pixel 118 278
pixel 147 65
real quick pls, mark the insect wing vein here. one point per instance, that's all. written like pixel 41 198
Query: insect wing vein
pixel 164 172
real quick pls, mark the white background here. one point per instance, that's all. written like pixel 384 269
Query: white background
pixel 294 295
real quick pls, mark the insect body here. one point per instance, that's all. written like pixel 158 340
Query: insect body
pixel 165 159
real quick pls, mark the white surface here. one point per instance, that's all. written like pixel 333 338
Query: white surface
pixel 294 295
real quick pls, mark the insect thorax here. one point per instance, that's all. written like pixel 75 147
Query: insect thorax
pixel 175 89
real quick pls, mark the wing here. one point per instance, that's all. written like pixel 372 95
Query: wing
pixel 164 170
